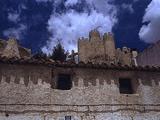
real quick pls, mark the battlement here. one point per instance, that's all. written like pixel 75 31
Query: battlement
pixel 108 36
pixel 98 49
pixel 94 35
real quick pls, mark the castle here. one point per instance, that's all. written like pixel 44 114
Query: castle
pixel 101 86
pixel 102 50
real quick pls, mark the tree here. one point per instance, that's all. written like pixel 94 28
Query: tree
pixel 59 53
pixel 40 54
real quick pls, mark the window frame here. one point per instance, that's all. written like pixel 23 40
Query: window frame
pixel 70 81
pixel 130 83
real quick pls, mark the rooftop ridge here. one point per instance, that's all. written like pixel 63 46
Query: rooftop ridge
pixel 52 63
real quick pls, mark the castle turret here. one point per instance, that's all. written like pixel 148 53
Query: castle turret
pixel 102 50
pixel 94 35
pixel 109 46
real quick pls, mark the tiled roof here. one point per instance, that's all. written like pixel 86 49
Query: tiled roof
pixel 52 63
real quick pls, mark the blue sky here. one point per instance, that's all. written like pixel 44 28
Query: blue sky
pixel 38 24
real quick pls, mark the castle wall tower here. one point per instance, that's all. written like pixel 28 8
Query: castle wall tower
pixel 11 49
pixel 91 50
pixel 94 35
pixel 83 46
pixel 109 46
pixel 102 50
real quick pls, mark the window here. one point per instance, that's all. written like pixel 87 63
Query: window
pixel 125 86
pixel 64 82
pixel 68 117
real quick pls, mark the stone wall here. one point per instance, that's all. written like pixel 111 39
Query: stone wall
pixel 99 49
pixel 96 49
pixel 27 93
pixel 150 56
pixel 11 49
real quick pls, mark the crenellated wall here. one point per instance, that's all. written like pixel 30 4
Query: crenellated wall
pixel 102 50
pixel 27 92
pixel 97 49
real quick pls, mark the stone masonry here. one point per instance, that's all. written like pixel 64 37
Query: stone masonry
pixel 28 92
pixel 150 56
pixel 102 50
pixel 105 85
pixel 11 49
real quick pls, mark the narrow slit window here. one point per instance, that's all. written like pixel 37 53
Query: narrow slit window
pixel 125 86
pixel 64 82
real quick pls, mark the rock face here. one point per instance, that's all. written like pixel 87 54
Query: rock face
pixel 98 50
pixel 11 49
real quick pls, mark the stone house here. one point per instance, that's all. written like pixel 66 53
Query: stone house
pixel 43 89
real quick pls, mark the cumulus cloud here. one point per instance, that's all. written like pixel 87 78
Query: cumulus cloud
pixel 15 32
pixel 13 17
pixel 71 2
pixel 150 33
pixel 71 25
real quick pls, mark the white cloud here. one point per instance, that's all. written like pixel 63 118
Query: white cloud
pixel 71 2
pixel 71 25
pixel 13 17
pixel 150 33
pixel 103 6
pixel 15 32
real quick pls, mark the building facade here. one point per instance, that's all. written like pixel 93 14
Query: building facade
pixel 101 86
pixel 45 90
pixel 150 56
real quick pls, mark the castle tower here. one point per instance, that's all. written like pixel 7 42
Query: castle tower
pixel 94 35
pixel 91 50
pixel 11 49
pixel 109 46
pixel 97 49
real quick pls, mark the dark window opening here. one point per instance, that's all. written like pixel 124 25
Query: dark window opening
pixel 125 86
pixel 64 82
pixel 68 117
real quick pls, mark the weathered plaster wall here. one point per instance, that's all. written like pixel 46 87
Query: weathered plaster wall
pixel 150 56
pixel 26 93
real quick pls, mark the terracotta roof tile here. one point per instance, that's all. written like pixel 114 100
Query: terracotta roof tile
pixel 50 62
